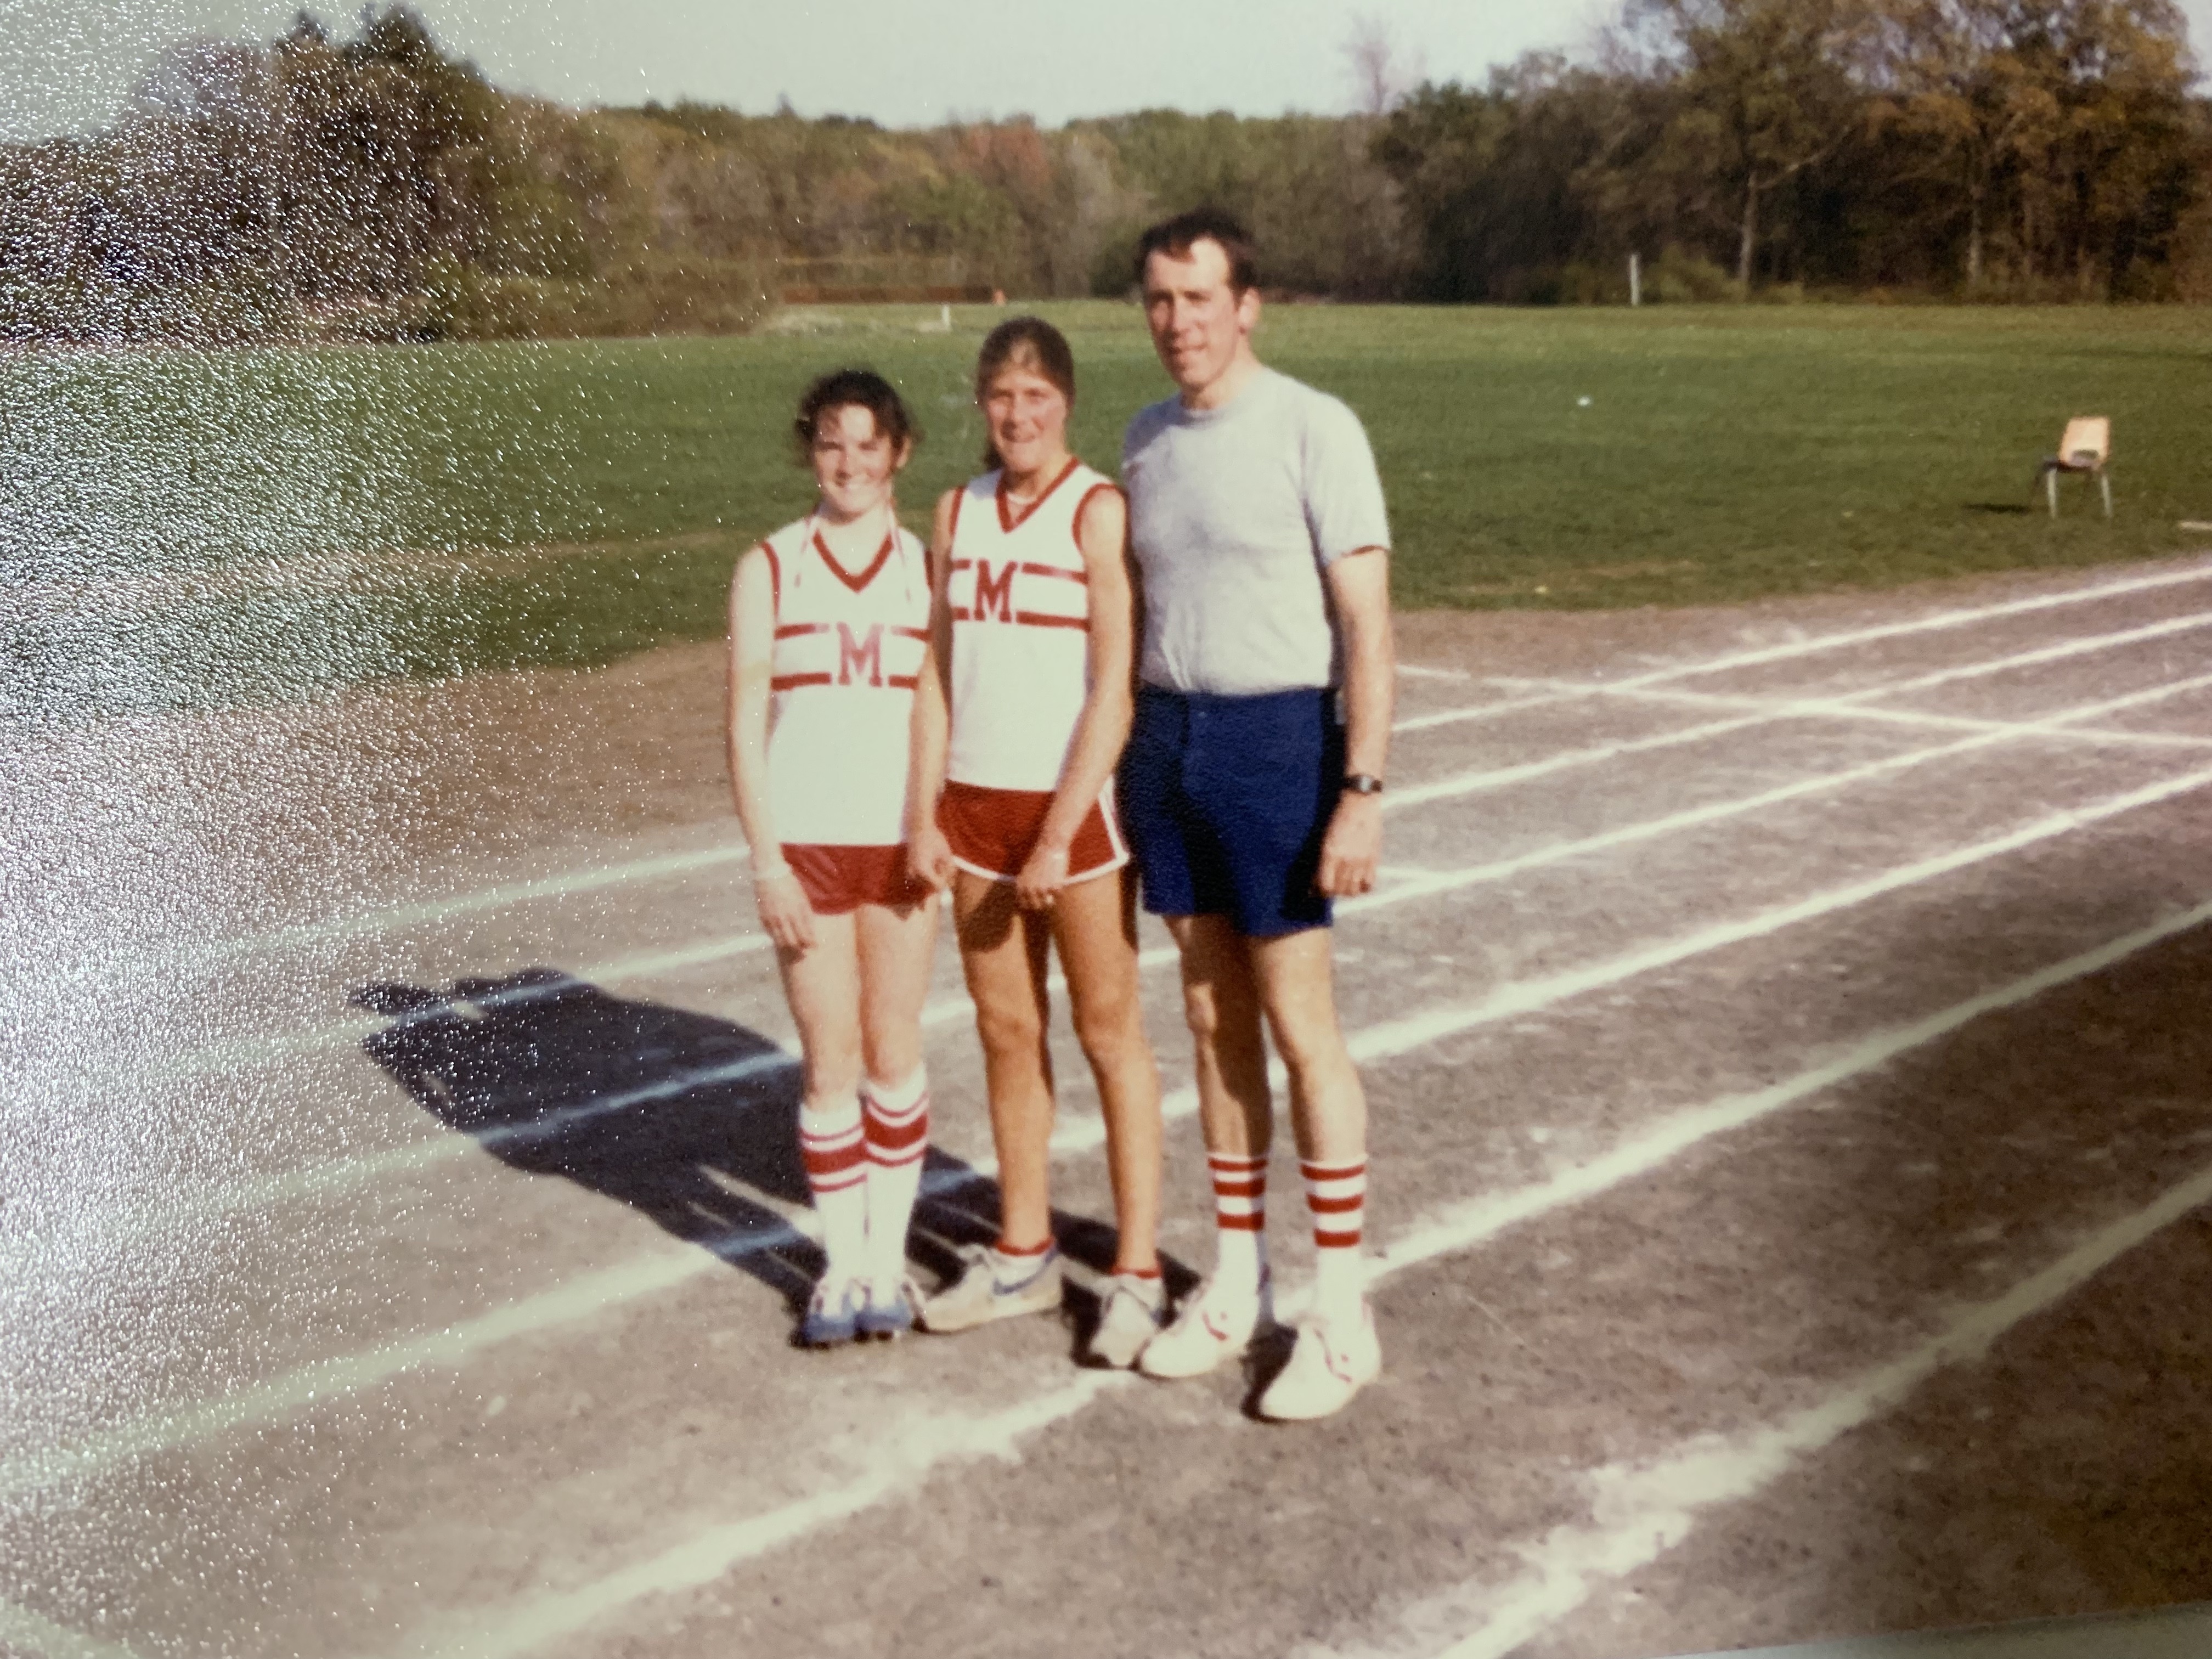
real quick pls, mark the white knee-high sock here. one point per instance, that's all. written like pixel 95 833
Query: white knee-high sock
pixel 831 1145
pixel 1337 1195
pixel 897 1118
pixel 1240 1220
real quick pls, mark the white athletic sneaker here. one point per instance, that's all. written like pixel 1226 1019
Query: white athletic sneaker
pixel 1214 1325
pixel 1334 1361
pixel 992 1287
pixel 1130 1313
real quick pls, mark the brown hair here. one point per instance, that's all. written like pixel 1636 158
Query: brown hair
pixel 1025 343
pixel 1176 237
pixel 852 388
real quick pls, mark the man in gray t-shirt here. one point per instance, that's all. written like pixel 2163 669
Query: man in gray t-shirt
pixel 1234 509
pixel 1250 785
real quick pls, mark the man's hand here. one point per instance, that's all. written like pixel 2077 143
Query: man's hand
pixel 784 911
pixel 1352 848
pixel 929 858
pixel 1042 878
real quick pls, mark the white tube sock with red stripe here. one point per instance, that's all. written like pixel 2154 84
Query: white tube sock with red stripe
pixel 1336 1194
pixel 897 1119
pixel 830 1144
pixel 1240 1219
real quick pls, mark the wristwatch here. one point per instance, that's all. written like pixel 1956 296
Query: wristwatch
pixel 1361 783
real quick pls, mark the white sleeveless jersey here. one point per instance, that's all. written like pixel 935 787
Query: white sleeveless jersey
pixel 1020 598
pixel 848 651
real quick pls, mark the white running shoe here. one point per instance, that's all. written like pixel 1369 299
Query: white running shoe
pixel 994 1286
pixel 1334 1361
pixel 1131 1311
pixel 1216 1324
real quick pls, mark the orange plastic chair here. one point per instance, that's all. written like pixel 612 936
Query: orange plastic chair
pixel 2086 448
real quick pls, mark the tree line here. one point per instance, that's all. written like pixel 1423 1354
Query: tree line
pixel 377 187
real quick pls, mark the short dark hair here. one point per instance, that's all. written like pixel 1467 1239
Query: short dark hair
pixel 853 388
pixel 1174 237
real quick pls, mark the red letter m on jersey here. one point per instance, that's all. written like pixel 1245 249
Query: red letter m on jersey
pixel 997 595
pixel 860 661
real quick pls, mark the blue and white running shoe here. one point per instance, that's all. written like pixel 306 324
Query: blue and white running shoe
pixel 834 1315
pixel 890 1309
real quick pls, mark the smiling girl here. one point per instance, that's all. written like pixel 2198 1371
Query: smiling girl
pixel 829 628
pixel 1031 644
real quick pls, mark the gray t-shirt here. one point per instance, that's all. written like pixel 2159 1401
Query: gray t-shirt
pixel 1234 514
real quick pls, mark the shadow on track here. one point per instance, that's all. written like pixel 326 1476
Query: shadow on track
pixel 691 1120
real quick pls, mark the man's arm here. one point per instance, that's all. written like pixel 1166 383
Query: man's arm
pixel 1359 586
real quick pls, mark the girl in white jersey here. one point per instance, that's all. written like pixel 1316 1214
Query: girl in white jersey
pixel 1019 721
pixel 828 634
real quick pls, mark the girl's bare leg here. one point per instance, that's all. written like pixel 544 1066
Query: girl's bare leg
pixel 1003 951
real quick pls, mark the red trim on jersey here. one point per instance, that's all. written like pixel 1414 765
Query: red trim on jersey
pixel 1039 619
pixel 775 579
pixel 1075 525
pixel 1065 574
pixel 793 630
pixel 857 584
pixel 952 530
pixel 962 564
pixel 903 682
pixel 793 682
pixel 1008 521
pixel 921 634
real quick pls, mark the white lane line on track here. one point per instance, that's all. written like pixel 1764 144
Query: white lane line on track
pixel 1940 620
pixel 1644 1511
pixel 563 885
pixel 708 1554
pixel 432 910
pixel 23 1631
pixel 1387 1041
pixel 328 1180
pixel 2043 725
pixel 233 1052
pixel 490 898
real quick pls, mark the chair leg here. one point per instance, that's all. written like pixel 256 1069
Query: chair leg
pixel 2105 484
pixel 2051 488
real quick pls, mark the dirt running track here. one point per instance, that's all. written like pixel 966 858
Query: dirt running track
pixel 1792 1181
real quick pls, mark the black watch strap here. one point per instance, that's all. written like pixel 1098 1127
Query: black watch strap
pixel 1361 783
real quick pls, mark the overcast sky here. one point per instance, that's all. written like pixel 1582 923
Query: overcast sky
pixel 66 64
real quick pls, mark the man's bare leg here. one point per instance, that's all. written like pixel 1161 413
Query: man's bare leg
pixel 1221 1005
pixel 1221 1002
pixel 1294 977
pixel 1337 1351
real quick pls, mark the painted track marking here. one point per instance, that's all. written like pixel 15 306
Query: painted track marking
pixel 26 1631
pixel 647 869
pixel 330 1179
pixel 1649 1509
pixel 1753 659
pixel 233 1053
pixel 1387 1041
pixel 715 1550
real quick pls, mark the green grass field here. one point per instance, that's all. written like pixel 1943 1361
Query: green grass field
pixel 1724 454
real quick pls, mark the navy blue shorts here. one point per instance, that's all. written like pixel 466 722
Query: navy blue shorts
pixel 1226 801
